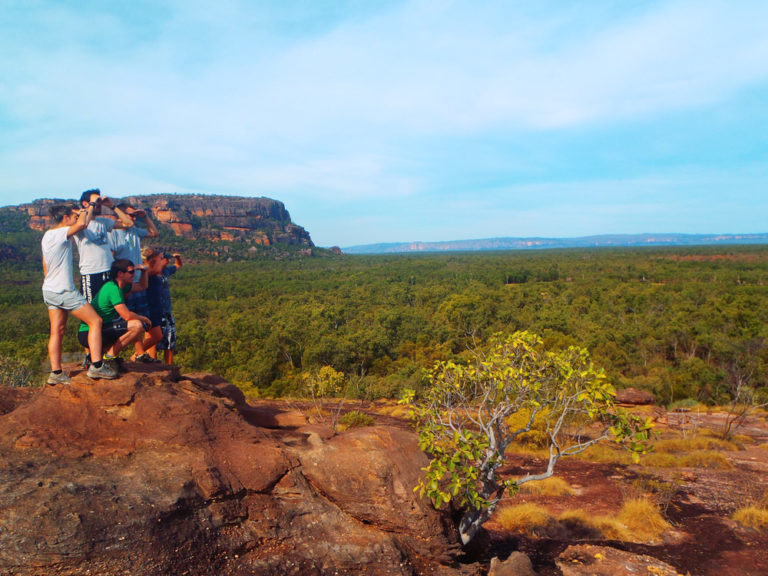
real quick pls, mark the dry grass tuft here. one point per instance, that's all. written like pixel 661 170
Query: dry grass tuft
pixel 639 520
pixel 643 519
pixel 583 524
pixel 693 444
pixel 524 518
pixel 552 486
pixel 395 411
pixel 607 454
pixel 752 517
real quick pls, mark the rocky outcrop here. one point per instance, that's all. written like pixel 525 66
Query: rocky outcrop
pixel 589 560
pixel 635 397
pixel 160 473
pixel 258 221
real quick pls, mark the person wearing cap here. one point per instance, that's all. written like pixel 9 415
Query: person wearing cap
pixel 168 342
pixel 154 262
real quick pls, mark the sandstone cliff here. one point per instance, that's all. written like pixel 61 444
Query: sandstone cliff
pixel 258 221
pixel 158 473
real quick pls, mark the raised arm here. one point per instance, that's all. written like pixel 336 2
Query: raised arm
pixel 84 217
pixel 151 228
pixel 124 221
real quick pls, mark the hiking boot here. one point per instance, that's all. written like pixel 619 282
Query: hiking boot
pixel 115 362
pixel 106 371
pixel 60 378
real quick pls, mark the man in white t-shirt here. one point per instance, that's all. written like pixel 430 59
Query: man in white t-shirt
pixel 59 291
pixel 93 243
pixel 126 242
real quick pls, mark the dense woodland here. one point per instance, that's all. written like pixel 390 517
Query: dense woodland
pixel 680 322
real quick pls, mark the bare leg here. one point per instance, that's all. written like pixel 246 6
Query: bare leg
pixel 58 318
pixel 168 357
pixel 134 334
pixel 152 337
pixel 88 315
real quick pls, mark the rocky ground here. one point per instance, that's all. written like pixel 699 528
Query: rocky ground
pixel 163 473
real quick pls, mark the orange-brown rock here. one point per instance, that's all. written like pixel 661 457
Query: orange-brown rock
pixel 635 396
pixel 259 221
pixel 161 473
pixel 589 560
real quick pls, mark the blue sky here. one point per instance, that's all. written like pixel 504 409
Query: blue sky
pixel 385 121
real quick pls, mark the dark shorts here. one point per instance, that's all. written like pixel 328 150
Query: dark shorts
pixel 110 333
pixel 137 302
pixel 90 284
pixel 168 342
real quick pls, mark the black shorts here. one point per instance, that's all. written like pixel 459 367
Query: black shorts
pixel 110 333
pixel 92 283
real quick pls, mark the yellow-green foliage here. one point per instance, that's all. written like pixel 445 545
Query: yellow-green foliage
pixel 642 519
pixel 551 486
pixel 524 518
pixel 752 517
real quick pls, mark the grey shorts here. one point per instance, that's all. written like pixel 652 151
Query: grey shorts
pixel 69 300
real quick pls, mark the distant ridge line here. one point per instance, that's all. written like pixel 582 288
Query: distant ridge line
pixel 535 243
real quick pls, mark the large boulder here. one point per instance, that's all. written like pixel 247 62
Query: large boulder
pixel 157 473
pixel 589 560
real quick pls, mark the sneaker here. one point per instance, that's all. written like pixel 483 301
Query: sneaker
pixel 106 371
pixel 116 362
pixel 146 358
pixel 61 378
pixel 86 361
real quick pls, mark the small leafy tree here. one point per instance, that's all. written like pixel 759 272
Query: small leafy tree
pixel 465 419
pixel 320 385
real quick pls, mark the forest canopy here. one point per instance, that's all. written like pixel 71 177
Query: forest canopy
pixel 679 322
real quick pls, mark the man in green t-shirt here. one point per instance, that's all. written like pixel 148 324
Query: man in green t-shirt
pixel 120 326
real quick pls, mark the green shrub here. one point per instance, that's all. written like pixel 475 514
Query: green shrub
pixel 356 419
pixel 13 372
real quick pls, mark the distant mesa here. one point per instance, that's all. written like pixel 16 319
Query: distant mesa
pixel 605 240
pixel 259 221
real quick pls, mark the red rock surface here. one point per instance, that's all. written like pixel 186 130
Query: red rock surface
pixel 157 473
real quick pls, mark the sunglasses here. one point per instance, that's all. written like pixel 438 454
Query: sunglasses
pixel 130 271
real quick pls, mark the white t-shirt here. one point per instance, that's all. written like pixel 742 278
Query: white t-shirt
pixel 57 254
pixel 126 243
pixel 93 246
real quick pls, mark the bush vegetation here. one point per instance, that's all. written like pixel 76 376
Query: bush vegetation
pixel 679 322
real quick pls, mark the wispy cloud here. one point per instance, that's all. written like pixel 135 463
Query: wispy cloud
pixel 363 105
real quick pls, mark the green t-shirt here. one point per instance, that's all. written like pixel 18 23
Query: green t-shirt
pixel 104 303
